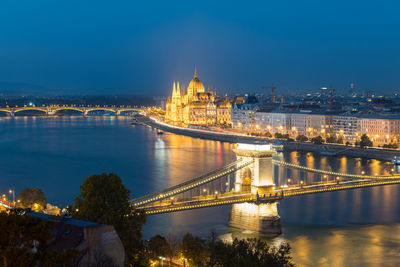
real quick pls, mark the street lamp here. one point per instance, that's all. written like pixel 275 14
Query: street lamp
pixel 162 260
pixel 11 191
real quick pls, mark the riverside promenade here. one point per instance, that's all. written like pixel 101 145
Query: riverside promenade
pixel 199 133
pixel 370 153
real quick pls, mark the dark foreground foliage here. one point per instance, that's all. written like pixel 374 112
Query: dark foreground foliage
pixel 24 242
pixel 214 252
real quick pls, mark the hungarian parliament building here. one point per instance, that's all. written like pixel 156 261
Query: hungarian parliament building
pixel 197 106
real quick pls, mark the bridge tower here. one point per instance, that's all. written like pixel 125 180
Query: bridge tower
pixel 258 178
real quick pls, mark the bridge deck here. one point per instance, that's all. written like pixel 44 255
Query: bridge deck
pixel 188 185
pixel 331 173
pixel 204 202
pixel 330 187
pixel 232 198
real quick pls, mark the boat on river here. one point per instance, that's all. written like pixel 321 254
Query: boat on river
pixel 396 160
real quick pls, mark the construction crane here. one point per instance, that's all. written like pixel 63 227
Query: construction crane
pixel 331 91
pixel 272 87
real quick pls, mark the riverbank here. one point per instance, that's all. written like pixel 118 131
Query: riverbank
pixel 332 149
pixel 198 133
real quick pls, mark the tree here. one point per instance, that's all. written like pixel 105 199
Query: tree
pixel 268 135
pixel 24 242
pixel 278 135
pixel 192 248
pixel 365 141
pixel 317 140
pixel 391 145
pixel 173 246
pixel 158 246
pixel 250 252
pixel 104 199
pixel 331 139
pixel 33 198
pixel 301 138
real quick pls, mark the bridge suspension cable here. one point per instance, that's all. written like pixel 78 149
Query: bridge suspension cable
pixel 338 186
pixel 188 185
pixel 343 175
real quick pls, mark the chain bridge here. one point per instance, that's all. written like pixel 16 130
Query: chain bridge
pixel 84 110
pixel 252 182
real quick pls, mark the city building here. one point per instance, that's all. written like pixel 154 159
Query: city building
pixel 197 106
pixel 319 124
pixel 346 127
pixel 381 129
pixel 243 117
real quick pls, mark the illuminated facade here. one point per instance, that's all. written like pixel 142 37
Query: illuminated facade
pixel 196 106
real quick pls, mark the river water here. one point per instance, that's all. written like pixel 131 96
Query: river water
pixel 347 228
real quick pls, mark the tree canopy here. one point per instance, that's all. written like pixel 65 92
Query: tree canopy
pixel 105 199
pixel 365 141
pixel 317 140
pixel 301 138
pixel 33 198
pixel 250 252
pixel 158 246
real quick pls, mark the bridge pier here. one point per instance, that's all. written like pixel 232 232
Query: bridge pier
pixel 260 218
pixel 258 179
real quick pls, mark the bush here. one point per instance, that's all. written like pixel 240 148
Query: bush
pixel 331 139
pixel 301 138
pixel 317 140
pixel 391 145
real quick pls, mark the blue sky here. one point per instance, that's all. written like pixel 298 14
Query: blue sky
pixel 141 47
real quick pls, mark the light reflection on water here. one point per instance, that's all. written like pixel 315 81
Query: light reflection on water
pixel 353 227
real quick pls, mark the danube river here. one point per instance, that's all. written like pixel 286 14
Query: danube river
pixel 56 154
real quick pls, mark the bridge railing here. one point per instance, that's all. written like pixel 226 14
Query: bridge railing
pixel 191 184
pixel 195 204
pixel 331 173
pixel 176 201
pixel 227 199
pixel 313 189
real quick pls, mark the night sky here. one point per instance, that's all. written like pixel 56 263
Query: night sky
pixel 141 47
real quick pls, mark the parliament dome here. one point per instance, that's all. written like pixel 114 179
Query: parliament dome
pixel 195 85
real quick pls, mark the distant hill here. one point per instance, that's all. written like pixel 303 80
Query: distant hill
pixel 13 88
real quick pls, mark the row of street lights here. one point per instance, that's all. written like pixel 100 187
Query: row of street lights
pixel 12 193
